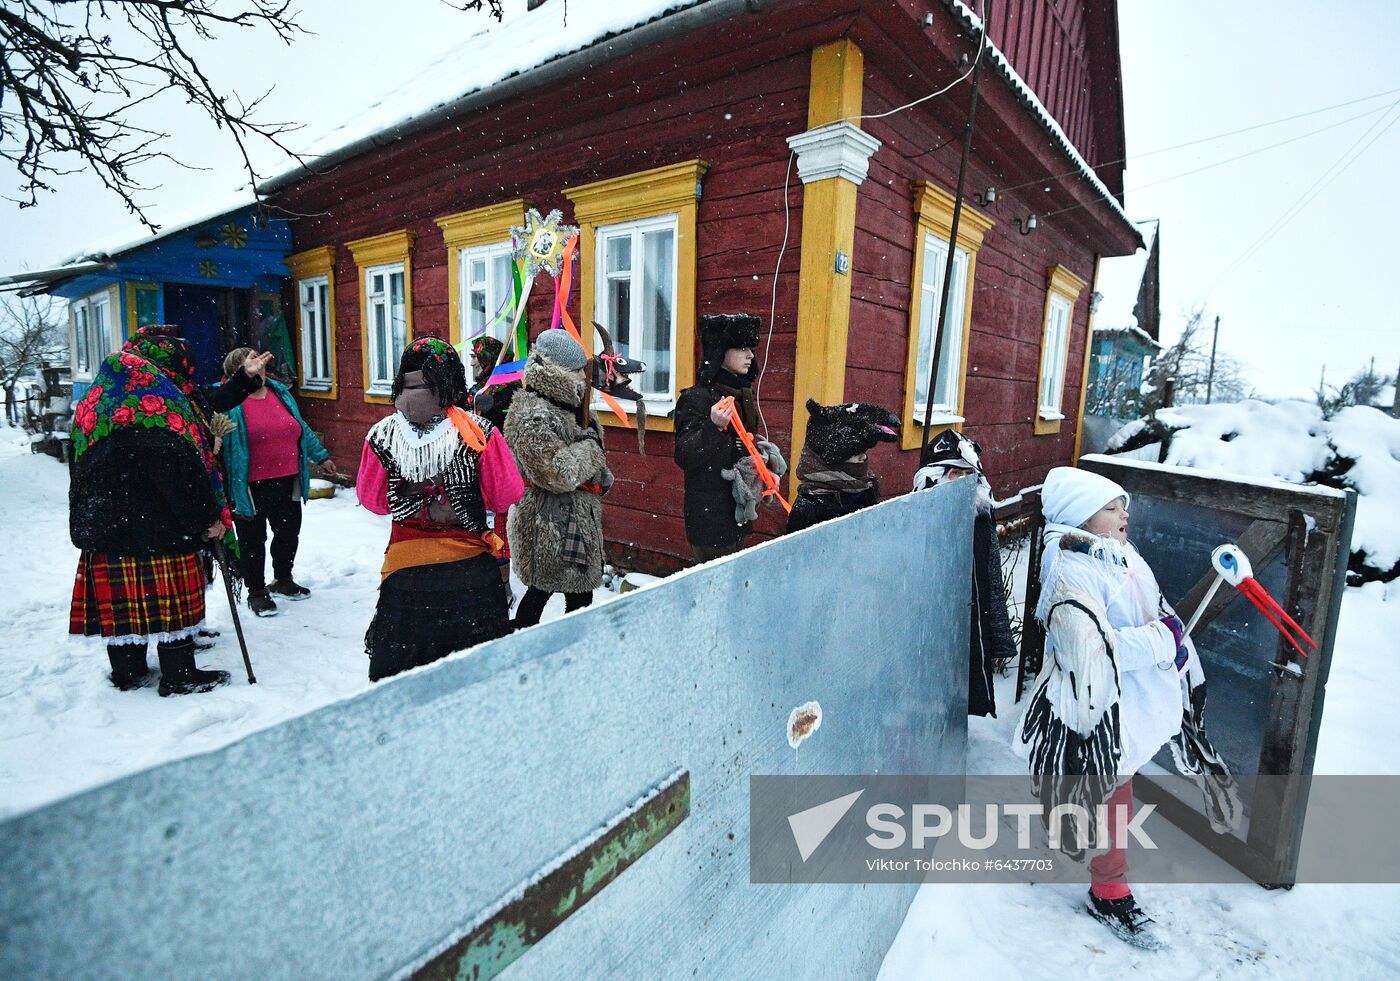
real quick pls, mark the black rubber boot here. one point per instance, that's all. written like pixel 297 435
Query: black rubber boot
pixel 260 602
pixel 1126 918
pixel 288 588
pixel 179 676
pixel 129 669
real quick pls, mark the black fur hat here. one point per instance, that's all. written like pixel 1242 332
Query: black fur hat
pixel 719 332
pixel 838 432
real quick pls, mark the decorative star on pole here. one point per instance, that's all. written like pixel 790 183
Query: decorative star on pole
pixel 540 242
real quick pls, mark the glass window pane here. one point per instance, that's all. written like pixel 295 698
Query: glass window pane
pixel 102 343
pixel 80 337
pixel 619 252
pixel 658 303
pixel 323 300
pixel 399 319
pixel 502 289
pixel 476 311
pixel 620 312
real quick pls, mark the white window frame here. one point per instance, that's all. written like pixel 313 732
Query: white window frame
pixel 662 403
pixel 88 339
pixel 1052 371
pixel 935 263
pixel 487 287
pixel 316 337
pixel 382 375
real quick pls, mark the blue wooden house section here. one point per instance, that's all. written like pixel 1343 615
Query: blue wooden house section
pixel 219 280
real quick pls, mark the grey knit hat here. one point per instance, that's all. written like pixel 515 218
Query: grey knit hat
pixel 559 348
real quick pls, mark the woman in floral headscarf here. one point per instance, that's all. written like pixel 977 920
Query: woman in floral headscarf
pixel 145 496
pixel 492 402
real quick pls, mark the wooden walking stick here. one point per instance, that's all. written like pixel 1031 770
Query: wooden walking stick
pixel 221 556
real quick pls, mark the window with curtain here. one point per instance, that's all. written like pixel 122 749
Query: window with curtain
pixel 949 338
pixel 636 297
pixel 484 282
pixel 1052 366
pixel 388 324
pixel 316 340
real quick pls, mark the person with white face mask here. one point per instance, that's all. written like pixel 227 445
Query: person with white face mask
pixel 1119 681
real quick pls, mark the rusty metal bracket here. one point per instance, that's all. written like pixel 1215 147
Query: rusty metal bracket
pixel 523 918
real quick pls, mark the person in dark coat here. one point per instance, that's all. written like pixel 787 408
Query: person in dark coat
pixel 833 471
pixel 952 456
pixel 145 496
pixel 721 492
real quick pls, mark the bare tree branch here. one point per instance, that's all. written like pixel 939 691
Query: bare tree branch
pixel 68 90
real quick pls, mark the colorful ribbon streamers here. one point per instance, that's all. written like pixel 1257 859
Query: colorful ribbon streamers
pixel 468 429
pixel 764 474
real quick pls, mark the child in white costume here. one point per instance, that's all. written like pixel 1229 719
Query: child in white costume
pixel 1119 681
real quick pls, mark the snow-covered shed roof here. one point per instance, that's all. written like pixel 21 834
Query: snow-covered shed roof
pixel 1119 281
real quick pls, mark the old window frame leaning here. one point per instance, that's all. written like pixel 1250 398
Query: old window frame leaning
pixel 383 255
pixel 478 233
pixel 315 268
pixel 1061 294
pixel 641 198
pixel 933 209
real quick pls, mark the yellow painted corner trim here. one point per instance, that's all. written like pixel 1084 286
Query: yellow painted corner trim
pixel 934 208
pixel 638 195
pixel 837 84
pixel 313 262
pixel 379 250
pixel 664 190
pixel 1064 282
pixel 464 230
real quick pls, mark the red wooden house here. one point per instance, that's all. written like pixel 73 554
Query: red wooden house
pixel 696 142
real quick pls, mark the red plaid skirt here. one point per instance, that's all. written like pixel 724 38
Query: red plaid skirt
pixel 136 596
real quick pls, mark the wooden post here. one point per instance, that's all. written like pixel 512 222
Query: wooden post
pixel 831 159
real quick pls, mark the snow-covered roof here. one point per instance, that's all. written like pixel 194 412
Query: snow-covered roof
pixel 115 245
pixel 474 64
pixel 1032 101
pixel 1118 282
pixel 1134 331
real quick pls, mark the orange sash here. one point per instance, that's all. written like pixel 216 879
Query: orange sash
pixel 412 545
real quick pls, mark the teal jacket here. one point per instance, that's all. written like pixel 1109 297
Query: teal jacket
pixel 235 454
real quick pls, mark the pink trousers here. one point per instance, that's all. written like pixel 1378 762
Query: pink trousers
pixel 1109 872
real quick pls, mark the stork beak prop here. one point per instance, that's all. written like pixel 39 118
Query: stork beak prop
pixel 1232 565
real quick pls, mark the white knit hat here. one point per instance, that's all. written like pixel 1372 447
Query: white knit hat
pixel 1071 496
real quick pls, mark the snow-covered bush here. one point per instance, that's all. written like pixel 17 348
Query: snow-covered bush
pixel 1358 448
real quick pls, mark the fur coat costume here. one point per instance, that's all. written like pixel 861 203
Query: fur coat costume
pixel 556 529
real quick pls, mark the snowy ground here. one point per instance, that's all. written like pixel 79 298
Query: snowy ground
pixel 64 729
